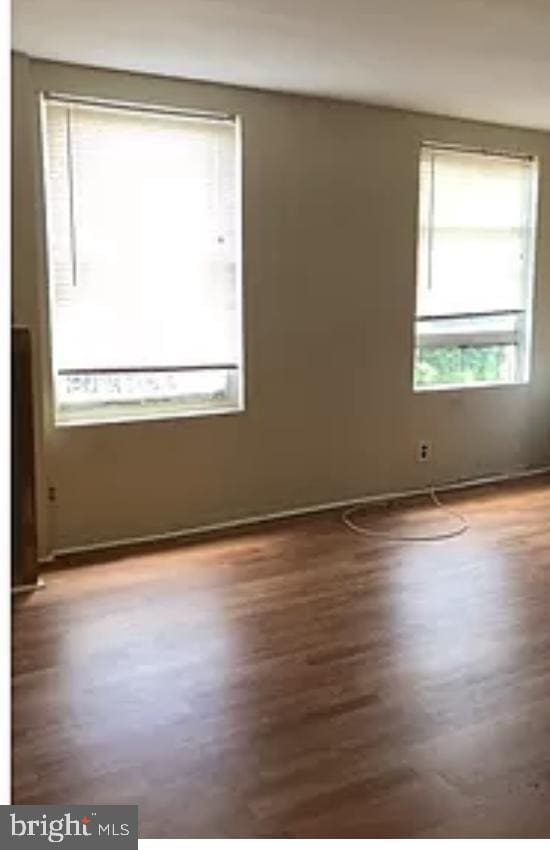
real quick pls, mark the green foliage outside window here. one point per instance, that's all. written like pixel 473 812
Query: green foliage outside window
pixel 462 365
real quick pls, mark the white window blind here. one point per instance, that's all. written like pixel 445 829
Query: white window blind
pixel 143 231
pixel 475 265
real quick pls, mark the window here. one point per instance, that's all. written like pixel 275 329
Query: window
pixel 143 211
pixel 475 268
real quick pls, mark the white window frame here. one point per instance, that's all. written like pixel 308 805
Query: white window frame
pixel 100 415
pixel 486 337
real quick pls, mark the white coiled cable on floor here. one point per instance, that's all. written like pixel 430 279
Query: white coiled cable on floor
pixel 461 528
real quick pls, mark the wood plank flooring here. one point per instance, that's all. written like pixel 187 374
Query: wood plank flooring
pixel 299 681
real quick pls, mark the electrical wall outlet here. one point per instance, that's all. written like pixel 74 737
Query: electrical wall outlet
pixel 424 451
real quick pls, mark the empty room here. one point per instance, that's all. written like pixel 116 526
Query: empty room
pixel 280 418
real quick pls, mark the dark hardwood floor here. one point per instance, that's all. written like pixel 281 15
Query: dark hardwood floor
pixel 299 681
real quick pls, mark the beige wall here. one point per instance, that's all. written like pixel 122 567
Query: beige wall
pixel 28 289
pixel 329 273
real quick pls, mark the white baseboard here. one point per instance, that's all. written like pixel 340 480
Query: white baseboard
pixel 29 588
pixel 243 522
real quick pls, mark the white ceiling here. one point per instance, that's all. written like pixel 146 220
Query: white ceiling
pixel 485 59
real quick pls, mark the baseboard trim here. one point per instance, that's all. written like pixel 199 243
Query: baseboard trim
pixel 216 528
pixel 29 588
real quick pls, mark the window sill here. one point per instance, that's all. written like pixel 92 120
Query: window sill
pixel 474 386
pixel 91 421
